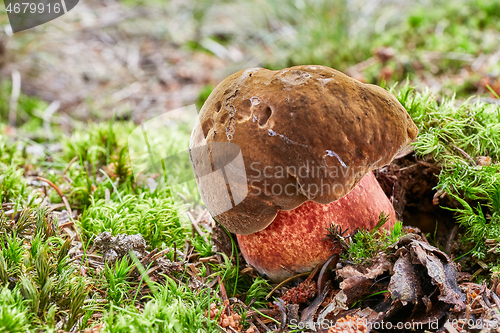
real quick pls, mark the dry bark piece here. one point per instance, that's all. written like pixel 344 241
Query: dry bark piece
pixel 379 266
pixel 115 247
pixel 356 288
pixel 300 118
pixel 309 312
pixel 423 272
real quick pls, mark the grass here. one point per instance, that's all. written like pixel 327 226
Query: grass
pixel 450 46
pixel 40 286
pixel 26 108
pixel 319 34
pixel 155 216
pixel 43 290
pixel 172 308
pixel 443 41
pixel 14 312
pixel 39 269
pixel 11 186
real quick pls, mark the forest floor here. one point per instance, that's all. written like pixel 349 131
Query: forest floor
pixel 73 90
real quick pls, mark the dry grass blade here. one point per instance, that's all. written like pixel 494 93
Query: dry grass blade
pixel 16 91
pixel 65 201
pixel 195 225
pixel 58 190
pixel 73 160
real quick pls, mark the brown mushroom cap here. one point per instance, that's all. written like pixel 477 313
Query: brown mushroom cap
pixel 306 133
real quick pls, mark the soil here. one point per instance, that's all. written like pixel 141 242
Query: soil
pixel 410 183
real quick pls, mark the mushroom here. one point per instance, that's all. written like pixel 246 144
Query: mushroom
pixel 308 138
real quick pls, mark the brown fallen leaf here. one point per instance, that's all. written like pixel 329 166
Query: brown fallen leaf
pixel 420 280
pixel 404 285
pixel 442 272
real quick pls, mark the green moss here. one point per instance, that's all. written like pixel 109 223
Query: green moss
pixel 155 216
pixel 464 140
pixel 39 269
pixel 365 244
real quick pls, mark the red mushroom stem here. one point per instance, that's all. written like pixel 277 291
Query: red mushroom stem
pixel 296 240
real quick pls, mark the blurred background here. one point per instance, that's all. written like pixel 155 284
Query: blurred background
pixel 137 59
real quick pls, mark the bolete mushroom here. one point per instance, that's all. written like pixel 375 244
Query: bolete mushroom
pixel 309 137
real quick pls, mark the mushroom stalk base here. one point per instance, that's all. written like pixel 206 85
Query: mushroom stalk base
pixel 296 241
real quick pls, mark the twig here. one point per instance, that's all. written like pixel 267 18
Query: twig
pixel 496 299
pixel 409 167
pixel 266 329
pixel 197 228
pixel 112 184
pixel 191 255
pixel 288 269
pixel 58 190
pixel 467 156
pixel 281 305
pixel 149 255
pixel 173 278
pixel 175 251
pixel 232 329
pixel 323 273
pixel 49 112
pixel 160 254
pixel 208 259
pixel 286 281
pixel 67 224
pixel 152 270
pixel 223 293
pixel 451 238
pixel 70 164
pixel 64 200
pixel 269 312
pixel 90 255
pixel 55 206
